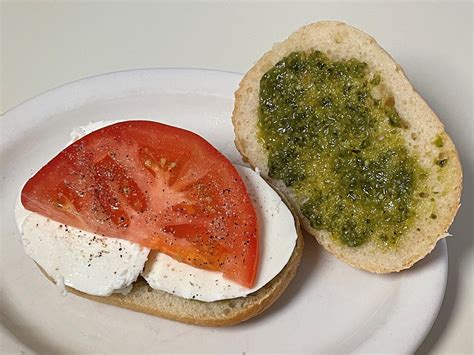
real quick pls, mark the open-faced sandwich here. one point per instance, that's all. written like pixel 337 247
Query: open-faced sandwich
pixel 213 243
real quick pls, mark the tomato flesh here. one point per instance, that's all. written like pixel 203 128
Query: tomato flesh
pixel 163 187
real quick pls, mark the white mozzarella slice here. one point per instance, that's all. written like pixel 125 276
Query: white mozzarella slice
pixel 85 261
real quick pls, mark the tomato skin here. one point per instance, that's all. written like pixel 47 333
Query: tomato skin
pixel 160 186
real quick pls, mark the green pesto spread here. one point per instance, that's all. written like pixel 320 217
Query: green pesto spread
pixel 438 142
pixel 338 147
pixel 442 157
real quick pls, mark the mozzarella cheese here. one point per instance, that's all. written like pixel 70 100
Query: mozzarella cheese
pixel 81 131
pixel 100 266
pixel 85 261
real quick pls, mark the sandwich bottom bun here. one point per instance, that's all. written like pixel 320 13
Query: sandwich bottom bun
pixel 142 298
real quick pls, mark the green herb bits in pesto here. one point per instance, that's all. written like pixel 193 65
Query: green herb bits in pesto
pixel 338 147
pixel 438 142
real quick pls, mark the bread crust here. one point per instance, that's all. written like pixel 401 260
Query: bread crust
pixel 341 41
pixel 142 298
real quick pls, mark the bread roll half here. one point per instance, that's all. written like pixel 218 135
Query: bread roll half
pixel 339 42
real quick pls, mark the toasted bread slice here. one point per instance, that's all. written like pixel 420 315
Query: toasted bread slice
pixel 143 298
pixel 339 41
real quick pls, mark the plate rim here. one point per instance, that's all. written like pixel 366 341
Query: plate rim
pixel 41 95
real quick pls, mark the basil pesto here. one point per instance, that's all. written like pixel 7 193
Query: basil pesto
pixel 338 147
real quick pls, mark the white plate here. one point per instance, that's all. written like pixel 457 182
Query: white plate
pixel 329 307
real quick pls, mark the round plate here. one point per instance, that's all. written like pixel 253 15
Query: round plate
pixel 329 307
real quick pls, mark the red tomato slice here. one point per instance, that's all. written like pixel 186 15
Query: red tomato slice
pixel 163 187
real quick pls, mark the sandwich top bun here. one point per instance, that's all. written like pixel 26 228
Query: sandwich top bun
pixel 436 196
